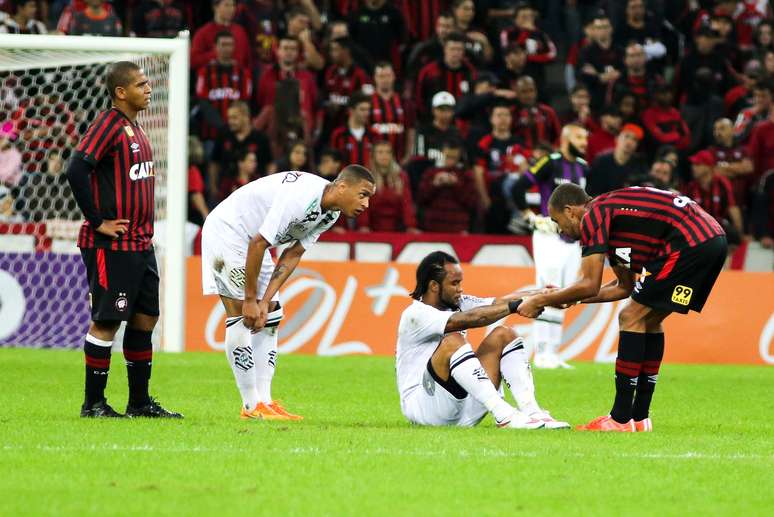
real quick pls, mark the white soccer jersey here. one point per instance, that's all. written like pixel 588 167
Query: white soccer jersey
pixel 420 331
pixel 282 207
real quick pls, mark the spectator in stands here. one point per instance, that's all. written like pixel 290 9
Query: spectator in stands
pixel 453 73
pixel 477 47
pixel 664 123
pixel 159 19
pixel 46 195
pixel 768 63
pixel 538 45
pixel 763 100
pixel 473 109
pixel 247 171
pixel 763 42
pixel 197 204
pixel 239 136
pixel 715 195
pixel 24 21
pixel 380 29
pixel 296 159
pixel 515 61
pixel 599 63
pixel 447 195
pixel 341 79
pixel 391 209
pixel 219 83
pixel 629 108
pixel 389 117
pixel 430 49
pixel 287 98
pixel 203 43
pixel 763 211
pixel 732 161
pixel 661 175
pixel 430 137
pixel 299 26
pixel 619 168
pixel 97 19
pixel 354 139
pixel 10 160
pixel 534 121
pixel 638 27
pixel 489 168
pixel 635 77
pixel 580 109
pixel 330 164
pixel 741 95
pixel 339 29
pixel 762 146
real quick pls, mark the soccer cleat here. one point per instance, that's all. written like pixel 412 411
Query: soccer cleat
pixel 549 422
pixel 261 411
pixel 550 361
pixel 644 425
pixel 606 423
pixel 519 420
pixel 99 409
pixel 277 408
pixel 150 409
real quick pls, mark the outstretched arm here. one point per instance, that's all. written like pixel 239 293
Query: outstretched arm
pixel 480 316
pixel 615 290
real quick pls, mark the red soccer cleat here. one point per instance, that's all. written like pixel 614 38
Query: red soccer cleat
pixel 606 423
pixel 644 425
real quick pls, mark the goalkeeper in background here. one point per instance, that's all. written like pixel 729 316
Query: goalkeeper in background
pixel 112 178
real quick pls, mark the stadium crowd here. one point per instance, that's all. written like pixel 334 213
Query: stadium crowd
pixel 447 101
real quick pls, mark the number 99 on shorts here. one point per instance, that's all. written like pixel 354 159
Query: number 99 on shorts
pixel 682 295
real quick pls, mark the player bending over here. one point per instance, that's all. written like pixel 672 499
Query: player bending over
pixel 441 380
pixel 678 250
pixel 236 264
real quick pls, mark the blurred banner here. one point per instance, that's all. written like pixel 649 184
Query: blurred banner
pixel 354 308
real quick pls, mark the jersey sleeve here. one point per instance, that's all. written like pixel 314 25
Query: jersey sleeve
pixel 423 323
pixel 468 302
pixel 595 228
pixel 329 220
pixel 100 138
pixel 278 218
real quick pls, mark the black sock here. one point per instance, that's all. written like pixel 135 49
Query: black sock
pixel 138 352
pixel 631 350
pixel 654 352
pixel 97 354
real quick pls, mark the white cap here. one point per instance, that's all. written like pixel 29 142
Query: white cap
pixel 443 99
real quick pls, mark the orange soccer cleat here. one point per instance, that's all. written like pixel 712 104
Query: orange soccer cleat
pixel 261 412
pixel 606 423
pixel 644 425
pixel 278 409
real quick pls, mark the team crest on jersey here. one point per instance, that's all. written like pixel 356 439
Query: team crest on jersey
pixel 122 303
pixel 129 131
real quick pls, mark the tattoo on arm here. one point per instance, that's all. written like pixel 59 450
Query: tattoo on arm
pixel 279 271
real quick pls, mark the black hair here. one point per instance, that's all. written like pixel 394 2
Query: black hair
pixel 765 83
pixel 358 98
pixel 119 74
pixel 431 268
pixel 455 37
pixel 343 42
pixel 568 194
pixel 354 174
pixel 578 87
pixel 332 153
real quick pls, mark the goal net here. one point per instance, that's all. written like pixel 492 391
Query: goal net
pixel 51 89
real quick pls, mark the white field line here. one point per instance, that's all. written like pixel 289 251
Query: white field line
pixel 317 451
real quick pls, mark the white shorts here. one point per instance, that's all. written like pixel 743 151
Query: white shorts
pixel 223 263
pixel 432 404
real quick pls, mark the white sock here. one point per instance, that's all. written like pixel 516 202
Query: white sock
pixel 239 353
pixel 466 369
pixel 265 356
pixel 514 366
pixel 547 331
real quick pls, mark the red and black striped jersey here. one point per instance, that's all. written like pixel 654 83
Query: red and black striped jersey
pixel 421 16
pixel 535 124
pixel 636 225
pixel 437 77
pixel 340 83
pixel 122 182
pixel 221 85
pixel 389 122
pixel 353 149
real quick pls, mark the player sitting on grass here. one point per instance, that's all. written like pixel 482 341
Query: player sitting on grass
pixel 678 250
pixel 236 264
pixel 441 380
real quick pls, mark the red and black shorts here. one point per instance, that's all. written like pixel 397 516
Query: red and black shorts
pixel 682 280
pixel 121 283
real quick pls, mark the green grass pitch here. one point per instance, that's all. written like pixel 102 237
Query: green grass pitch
pixel 712 452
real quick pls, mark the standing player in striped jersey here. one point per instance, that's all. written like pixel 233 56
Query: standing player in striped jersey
pixel 388 117
pixel 677 249
pixel 112 178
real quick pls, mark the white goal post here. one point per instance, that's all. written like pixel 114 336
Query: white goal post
pixel 37 54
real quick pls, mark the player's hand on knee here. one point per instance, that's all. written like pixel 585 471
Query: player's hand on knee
pixel 113 228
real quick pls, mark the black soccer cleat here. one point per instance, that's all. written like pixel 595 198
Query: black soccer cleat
pixel 99 409
pixel 150 409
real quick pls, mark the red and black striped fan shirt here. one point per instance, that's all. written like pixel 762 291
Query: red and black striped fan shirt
pixel 636 225
pixel 122 182
pixel 353 150
pixel 221 85
pixel 388 122
pixel 435 77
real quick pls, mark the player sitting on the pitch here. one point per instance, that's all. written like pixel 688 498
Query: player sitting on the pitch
pixel 441 380
pixel 278 209
pixel 679 251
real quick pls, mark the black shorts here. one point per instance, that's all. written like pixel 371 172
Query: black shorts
pixel 682 280
pixel 121 283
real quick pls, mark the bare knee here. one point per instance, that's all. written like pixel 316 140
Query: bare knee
pixel 450 344
pixel 500 336
pixel 144 322
pixel 104 330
